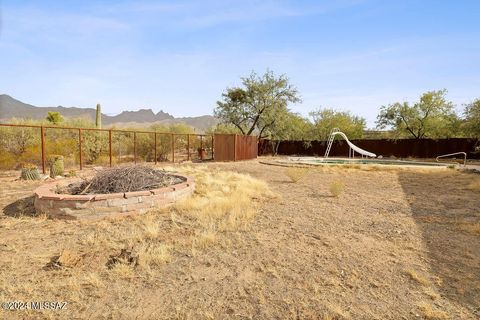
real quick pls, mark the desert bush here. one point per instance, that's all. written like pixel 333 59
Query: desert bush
pixel 7 160
pixel 295 173
pixel 16 140
pixel 94 143
pixel 336 188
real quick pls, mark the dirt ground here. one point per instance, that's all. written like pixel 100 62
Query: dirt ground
pixel 395 244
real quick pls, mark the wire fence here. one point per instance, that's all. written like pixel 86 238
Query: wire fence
pixel 80 147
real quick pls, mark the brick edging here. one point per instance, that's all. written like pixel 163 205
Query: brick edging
pixel 102 205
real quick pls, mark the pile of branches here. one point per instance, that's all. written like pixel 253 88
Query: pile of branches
pixel 124 179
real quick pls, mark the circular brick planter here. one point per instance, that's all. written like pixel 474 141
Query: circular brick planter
pixel 97 206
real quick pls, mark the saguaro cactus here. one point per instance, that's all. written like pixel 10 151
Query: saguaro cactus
pixel 30 172
pixel 56 166
pixel 98 117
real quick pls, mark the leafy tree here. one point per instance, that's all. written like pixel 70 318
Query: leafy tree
pixel 224 128
pixel 254 107
pixel 324 120
pixel 472 119
pixel 432 117
pixel 289 126
pixel 54 117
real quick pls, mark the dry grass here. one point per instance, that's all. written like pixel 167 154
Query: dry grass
pixel 336 188
pixel 430 313
pixel 123 271
pixel 474 185
pixel 416 277
pixel 223 201
pixel 473 228
pixel 296 173
pixel 154 256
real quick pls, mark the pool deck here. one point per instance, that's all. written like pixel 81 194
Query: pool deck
pixel 390 163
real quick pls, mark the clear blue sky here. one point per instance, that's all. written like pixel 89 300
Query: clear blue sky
pixel 180 55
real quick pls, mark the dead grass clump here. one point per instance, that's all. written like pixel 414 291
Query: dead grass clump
pixel 154 255
pixel 430 313
pixel 336 188
pixel 474 186
pixel 122 270
pixel 296 173
pixel 150 227
pixel 224 201
pixel 473 228
pixel 204 239
pixel 416 277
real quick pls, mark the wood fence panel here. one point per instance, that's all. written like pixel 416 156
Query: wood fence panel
pixel 232 147
pixel 224 147
pixel 247 147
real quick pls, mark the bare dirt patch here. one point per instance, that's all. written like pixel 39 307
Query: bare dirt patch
pixel 393 244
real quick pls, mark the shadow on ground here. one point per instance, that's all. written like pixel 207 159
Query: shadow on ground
pixel 446 210
pixel 21 207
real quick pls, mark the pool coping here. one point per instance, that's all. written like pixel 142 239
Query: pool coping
pixel 308 162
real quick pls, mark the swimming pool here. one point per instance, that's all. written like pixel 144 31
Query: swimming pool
pixel 364 161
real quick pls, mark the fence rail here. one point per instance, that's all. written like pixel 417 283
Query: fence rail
pixel 19 143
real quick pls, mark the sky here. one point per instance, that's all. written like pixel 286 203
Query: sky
pixel 179 56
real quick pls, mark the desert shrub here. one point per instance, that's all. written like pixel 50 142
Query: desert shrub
pixel 296 174
pixel 16 140
pixel 336 188
pixel 145 147
pixel 7 160
pixel 94 143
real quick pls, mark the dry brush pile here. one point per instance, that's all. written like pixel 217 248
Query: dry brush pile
pixel 124 179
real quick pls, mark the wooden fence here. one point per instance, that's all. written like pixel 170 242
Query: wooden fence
pixel 234 147
pixel 401 148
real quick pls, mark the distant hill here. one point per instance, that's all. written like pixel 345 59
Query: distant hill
pixel 12 108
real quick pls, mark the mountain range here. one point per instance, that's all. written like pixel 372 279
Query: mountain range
pixel 12 108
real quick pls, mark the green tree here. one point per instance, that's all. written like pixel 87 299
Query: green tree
pixel 223 128
pixel 472 119
pixel 432 117
pixel 254 107
pixel 54 117
pixel 289 126
pixel 324 120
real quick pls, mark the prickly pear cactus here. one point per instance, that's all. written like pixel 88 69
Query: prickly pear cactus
pixel 30 172
pixel 56 166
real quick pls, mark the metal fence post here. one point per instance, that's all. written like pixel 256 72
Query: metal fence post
pixel 173 148
pixel 110 146
pixel 42 131
pixel 134 147
pixel 155 148
pixel 80 147
pixel 188 147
